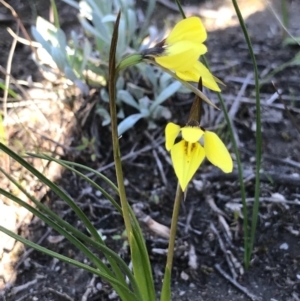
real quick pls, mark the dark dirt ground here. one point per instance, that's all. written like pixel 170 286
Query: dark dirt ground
pixel 275 267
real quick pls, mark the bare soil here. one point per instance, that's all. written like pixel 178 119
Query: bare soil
pixel 208 231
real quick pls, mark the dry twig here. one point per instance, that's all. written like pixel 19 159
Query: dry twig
pixel 236 284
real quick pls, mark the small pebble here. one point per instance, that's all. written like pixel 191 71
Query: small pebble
pixel 284 246
pixel 184 276
pixel 98 193
pixel 99 286
pixel 57 268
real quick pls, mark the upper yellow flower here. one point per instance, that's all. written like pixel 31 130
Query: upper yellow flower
pixel 181 51
pixel 188 154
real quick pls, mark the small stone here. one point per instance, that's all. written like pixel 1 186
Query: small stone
pixel 184 276
pixel 98 193
pixel 99 286
pixel 198 184
pixel 284 246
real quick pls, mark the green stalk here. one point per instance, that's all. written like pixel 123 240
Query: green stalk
pixel 248 250
pixel 114 126
pixel 258 134
pixel 140 258
pixel 166 288
pixel 241 178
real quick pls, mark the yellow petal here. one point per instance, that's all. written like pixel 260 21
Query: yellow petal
pixel 181 56
pixel 191 134
pixel 216 152
pixel 189 29
pixel 194 74
pixel 186 158
pixel 171 132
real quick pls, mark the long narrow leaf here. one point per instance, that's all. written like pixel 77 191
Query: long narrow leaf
pixel 98 263
pixel 258 134
pixel 143 256
pixel 55 189
pixel 165 94
pixel 67 165
pixel 110 255
pixel 129 294
pixel 9 91
pixel 55 14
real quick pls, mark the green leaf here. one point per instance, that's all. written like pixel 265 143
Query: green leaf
pixel 128 295
pixel 61 38
pixel 59 58
pixel 3 137
pixel 72 3
pixel 69 73
pixel 69 166
pixel 55 14
pixel 166 288
pixel 87 49
pixel 39 38
pixel 129 122
pixel 10 91
pixel 291 41
pixel 61 226
pixel 55 189
pixel 105 115
pixel 141 273
pixel 127 98
pixel 165 94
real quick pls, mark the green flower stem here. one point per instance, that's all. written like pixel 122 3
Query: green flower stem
pixel 166 288
pixel 139 255
pixel 130 60
pixel 248 242
pixel 258 134
pixel 176 208
pixel 114 126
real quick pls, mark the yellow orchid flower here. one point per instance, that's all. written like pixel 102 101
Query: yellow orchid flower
pixel 188 154
pixel 181 50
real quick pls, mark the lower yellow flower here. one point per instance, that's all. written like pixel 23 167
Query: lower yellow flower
pixel 188 154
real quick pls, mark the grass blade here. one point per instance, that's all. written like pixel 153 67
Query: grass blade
pixel 115 261
pixel 67 165
pixel 129 295
pixel 55 189
pixel 258 134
